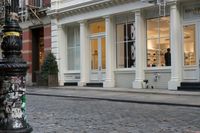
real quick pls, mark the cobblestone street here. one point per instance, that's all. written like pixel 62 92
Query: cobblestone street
pixel 67 115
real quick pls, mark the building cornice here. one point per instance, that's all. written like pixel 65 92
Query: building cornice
pixel 85 7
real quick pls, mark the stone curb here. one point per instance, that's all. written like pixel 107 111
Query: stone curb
pixel 143 91
pixel 115 99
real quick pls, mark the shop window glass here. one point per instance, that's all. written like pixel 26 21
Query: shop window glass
pixel 158 42
pixel 126 45
pixel 94 56
pixel 97 27
pixel 103 53
pixel 73 54
pixel 189 45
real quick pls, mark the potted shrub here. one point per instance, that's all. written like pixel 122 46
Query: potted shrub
pixel 49 70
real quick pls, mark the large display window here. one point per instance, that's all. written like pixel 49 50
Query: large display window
pixel 126 45
pixel 73 48
pixel 189 45
pixel 158 42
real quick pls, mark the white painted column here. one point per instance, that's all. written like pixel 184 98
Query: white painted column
pixel 61 54
pixel 140 50
pixel 55 40
pixel 84 54
pixel 175 47
pixel 109 81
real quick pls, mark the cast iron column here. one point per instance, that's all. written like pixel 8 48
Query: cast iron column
pixel 12 77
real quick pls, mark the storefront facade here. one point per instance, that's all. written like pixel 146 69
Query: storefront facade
pixel 191 41
pixel 123 43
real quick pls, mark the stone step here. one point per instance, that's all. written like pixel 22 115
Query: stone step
pixel 94 84
pixel 190 84
pixel 70 84
pixel 189 88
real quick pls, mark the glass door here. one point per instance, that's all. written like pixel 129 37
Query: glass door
pixel 190 62
pixel 98 58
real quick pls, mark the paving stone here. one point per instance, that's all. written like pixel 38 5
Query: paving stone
pixel 48 114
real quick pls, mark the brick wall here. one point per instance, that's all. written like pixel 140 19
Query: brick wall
pixel 46 3
pixel 47 38
pixel 27 48
pixel 31 2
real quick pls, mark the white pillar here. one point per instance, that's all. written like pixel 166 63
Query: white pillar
pixel 84 54
pixel 109 81
pixel 56 47
pixel 175 48
pixel 61 54
pixel 140 50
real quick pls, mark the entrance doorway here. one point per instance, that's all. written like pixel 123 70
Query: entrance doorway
pixel 37 51
pixel 97 50
pixel 190 52
pixel 98 58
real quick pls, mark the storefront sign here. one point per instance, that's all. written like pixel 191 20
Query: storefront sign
pixel 191 11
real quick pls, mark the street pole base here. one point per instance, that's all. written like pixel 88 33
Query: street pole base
pixel 23 130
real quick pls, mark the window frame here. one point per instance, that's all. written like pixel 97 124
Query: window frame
pixel 74 46
pixel 124 42
pixel 158 38
pixel 195 45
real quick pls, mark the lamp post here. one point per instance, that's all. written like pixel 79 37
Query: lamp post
pixel 12 75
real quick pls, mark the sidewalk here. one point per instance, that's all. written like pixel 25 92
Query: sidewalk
pixel 147 96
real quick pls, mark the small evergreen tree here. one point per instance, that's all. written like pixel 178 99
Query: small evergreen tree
pixel 49 67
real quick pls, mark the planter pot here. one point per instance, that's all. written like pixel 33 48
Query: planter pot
pixel 40 80
pixel 52 80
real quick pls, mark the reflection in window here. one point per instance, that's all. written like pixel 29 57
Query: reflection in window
pixel 96 57
pixel 189 45
pixel 126 45
pixel 94 52
pixel 73 53
pixel 158 41
pixel 103 53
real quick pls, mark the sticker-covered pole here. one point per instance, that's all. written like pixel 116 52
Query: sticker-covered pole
pixel 12 76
